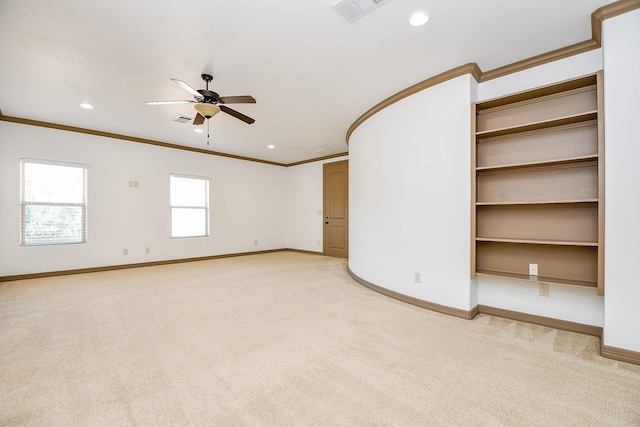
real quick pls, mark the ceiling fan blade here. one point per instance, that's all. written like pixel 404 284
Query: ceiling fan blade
pixel 186 87
pixel 245 99
pixel 169 102
pixel 199 119
pixel 236 114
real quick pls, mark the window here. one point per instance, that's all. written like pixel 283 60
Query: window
pixel 189 206
pixel 53 201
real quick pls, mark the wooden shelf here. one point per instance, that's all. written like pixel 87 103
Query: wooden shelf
pixel 560 143
pixel 530 94
pixel 538 242
pixel 540 163
pixel 544 124
pixel 537 279
pixel 538 185
pixel 544 202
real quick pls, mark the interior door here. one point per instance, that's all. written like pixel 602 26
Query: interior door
pixel 336 209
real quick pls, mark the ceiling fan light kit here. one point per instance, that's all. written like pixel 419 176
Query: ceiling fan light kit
pixel 207 110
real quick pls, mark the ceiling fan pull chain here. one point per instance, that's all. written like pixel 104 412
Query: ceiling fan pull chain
pixel 207 131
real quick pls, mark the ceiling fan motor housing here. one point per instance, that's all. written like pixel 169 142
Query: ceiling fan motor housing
pixel 209 96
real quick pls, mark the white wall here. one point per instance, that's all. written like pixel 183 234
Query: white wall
pixel 247 202
pixel 622 189
pixel 409 177
pixel 565 303
pixel 304 193
pixel 553 72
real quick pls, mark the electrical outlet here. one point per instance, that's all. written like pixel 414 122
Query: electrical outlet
pixel 125 251
pixel 417 277
pixel 543 289
pixel 147 250
pixel 255 242
pixel 318 242
pixel 533 269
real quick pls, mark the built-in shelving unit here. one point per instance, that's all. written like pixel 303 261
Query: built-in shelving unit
pixel 538 193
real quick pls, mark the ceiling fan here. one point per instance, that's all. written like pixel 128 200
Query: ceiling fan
pixel 207 103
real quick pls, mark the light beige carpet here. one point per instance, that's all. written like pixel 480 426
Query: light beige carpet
pixel 284 339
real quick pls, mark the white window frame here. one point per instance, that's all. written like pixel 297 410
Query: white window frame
pixel 24 204
pixel 205 208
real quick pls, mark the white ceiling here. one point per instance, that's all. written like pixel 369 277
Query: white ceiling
pixel 311 71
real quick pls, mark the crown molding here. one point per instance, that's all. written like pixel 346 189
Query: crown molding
pixel 610 11
pixel 317 159
pixel 471 68
pixel 597 17
pixel 86 131
pixel 544 58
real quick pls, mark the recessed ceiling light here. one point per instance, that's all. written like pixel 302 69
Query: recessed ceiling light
pixel 198 130
pixel 418 19
pixel 87 106
pixel 271 146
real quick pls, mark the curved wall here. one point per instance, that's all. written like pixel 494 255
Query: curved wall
pixel 409 177
pixel 410 184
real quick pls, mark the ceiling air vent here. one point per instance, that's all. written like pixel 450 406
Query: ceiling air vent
pixel 182 119
pixel 355 9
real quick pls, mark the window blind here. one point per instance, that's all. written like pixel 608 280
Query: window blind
pixel 53 202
